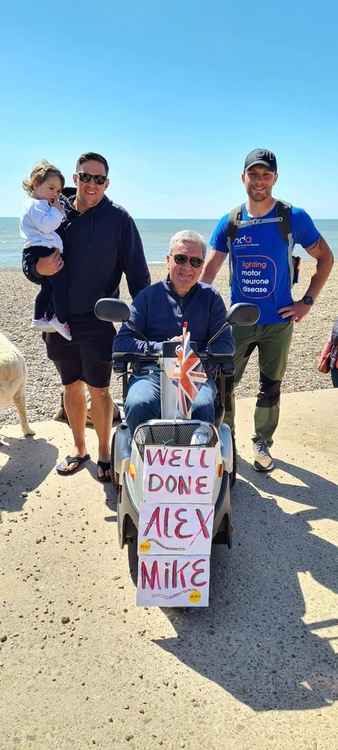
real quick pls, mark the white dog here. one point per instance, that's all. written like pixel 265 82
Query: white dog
pixel 13 381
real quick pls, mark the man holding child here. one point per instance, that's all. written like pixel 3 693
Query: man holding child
pixel 100 243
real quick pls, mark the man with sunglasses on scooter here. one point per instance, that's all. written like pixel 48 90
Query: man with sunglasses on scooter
pixel 158 314
pixel 101 242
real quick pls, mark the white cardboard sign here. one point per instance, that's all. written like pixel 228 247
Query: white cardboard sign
pixel 169 581
pixel 177 474
pixel 182 529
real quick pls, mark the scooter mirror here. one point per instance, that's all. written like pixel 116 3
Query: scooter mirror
pixel 240 314
pixel 243 314
pixel 112 310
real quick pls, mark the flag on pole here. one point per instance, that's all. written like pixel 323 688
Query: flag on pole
pixel 188 374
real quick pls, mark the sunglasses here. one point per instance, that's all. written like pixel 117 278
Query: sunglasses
pixel 99 179
pixel 181 260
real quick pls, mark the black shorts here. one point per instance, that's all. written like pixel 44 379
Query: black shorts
pixel 88 356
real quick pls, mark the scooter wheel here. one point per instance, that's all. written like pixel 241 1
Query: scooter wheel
pixel 115 476
pixel 233 474
pixel 133 559
pixel 224 533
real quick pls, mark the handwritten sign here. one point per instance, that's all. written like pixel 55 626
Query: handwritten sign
pixel 168 581
pixel 175 526
pixel 184 529
pixel 174 474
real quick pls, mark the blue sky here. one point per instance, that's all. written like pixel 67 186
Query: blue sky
pixel 174 97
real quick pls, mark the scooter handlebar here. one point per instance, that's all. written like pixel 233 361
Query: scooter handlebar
pixel 220 358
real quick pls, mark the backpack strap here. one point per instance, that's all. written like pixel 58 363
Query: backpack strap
pixel 234 219
pixel 283 211
pixel 233 223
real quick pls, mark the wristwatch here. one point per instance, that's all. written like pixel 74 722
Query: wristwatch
pixel 308 299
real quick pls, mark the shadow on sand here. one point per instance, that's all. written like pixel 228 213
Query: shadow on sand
pixel 35 453
pixel 252 640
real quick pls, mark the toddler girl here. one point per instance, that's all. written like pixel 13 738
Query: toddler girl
pixel 43 215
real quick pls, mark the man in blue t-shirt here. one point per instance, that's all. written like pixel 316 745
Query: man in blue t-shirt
pixel 261 272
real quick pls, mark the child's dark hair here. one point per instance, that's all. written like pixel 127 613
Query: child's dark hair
pixel 42 170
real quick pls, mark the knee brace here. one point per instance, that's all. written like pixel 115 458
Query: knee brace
pixel 269 392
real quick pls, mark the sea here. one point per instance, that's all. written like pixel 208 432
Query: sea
pixel 155 234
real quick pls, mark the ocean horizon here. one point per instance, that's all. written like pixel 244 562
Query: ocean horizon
pixel 155 235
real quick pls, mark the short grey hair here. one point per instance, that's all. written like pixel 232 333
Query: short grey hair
pixel 187 235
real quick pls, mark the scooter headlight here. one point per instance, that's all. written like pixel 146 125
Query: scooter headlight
pixel 203 435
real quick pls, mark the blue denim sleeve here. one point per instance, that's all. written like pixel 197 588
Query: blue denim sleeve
pixel 128 339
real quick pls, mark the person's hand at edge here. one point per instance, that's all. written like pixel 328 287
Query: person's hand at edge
pixel 50 265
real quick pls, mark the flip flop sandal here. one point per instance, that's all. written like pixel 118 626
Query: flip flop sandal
pixel 71 464
pixel 105 467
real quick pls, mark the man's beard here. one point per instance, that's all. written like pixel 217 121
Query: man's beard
pixel 258 197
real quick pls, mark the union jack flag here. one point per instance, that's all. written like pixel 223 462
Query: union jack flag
pixel 188 374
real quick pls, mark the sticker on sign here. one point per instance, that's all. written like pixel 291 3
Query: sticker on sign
pixel 169 581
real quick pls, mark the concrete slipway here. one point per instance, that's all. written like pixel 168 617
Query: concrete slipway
pixel 82 667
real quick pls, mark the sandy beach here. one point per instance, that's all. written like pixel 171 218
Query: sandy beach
pixel 43 386
pixel 81 666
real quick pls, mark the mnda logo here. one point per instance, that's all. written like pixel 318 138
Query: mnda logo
pixel 244 240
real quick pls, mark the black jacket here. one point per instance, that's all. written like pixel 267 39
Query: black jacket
pixel 99 245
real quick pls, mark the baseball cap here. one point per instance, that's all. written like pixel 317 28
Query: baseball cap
pixel 261 156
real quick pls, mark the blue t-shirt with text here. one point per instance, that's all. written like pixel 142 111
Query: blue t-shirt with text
pixel 260 271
